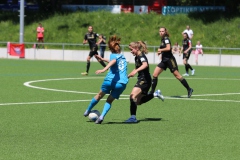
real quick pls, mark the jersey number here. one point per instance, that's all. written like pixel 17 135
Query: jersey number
pixel 121 65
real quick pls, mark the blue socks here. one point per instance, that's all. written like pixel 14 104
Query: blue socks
pixel 106 108
pixel 92 104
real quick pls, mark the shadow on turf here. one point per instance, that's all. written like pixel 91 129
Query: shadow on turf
pixel 177 97
pixel 140 120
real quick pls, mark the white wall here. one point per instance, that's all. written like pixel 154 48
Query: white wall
pixel 80 55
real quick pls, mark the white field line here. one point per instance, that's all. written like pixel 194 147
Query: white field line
pixel 88 100
pixel 49 102
pixel 28 84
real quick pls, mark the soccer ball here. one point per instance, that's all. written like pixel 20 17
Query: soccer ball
pixel 93 115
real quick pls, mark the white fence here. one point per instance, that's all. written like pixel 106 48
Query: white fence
pixel 81 55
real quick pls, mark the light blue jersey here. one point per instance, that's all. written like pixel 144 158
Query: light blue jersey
pixel 118 72
pixel 114 84
pixel 116 79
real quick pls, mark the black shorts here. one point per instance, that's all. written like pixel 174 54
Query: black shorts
pixel 144 85
pixel 187 55
pixel 170 63
pixel 92 53
pixel 94 48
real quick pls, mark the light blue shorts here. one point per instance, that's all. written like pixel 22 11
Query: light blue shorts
pixel 113 88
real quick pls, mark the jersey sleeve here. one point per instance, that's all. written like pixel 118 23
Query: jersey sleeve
pixel 189 42
pixel 113 56
pixel 142 59
pixel 96 35
pixel 85 37
pixel 166 41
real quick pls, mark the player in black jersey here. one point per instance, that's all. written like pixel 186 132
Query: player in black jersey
pixel 187 49
pixel 139 92
pixel 91 38
pixel 168 61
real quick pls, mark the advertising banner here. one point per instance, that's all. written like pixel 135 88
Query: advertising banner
pixel 140 9
pixel 186 9
pixel 90 8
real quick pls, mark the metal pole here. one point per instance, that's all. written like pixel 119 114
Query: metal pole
pixel 63 50
pixel 21 21
pixel 35 51
pixel 220 53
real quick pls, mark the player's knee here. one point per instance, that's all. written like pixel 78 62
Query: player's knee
pixel 110 99
pixel 179 77
pixel 155 76
pixel 133 97
pixel 133 100
pixel 98 97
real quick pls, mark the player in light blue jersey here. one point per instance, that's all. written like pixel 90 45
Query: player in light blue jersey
pixel 115 81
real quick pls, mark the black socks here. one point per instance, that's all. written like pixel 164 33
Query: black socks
pixel 185 84
pixel 187 66
pixel 154 84
pixel 133 107
pixel 102 63
pixel 88 66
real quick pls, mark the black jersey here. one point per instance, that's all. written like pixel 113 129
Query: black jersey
pixel 91 38
pixel 143 74
pixel 166 54
pixel 186 43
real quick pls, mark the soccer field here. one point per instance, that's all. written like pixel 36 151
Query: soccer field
pixel 42 105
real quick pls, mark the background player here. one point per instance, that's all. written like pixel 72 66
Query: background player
pixel 187 49
pixel 168 61
pixel 91 38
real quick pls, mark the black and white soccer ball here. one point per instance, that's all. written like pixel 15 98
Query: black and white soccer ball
pixel 94 115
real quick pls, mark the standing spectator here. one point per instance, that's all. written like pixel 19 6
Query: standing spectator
pixel 188 31
pixel 91 38
pixel 168 61
pixel 176 48
pixel 40 35
pixel 198 51
pixel 187 49
pixel 102 43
